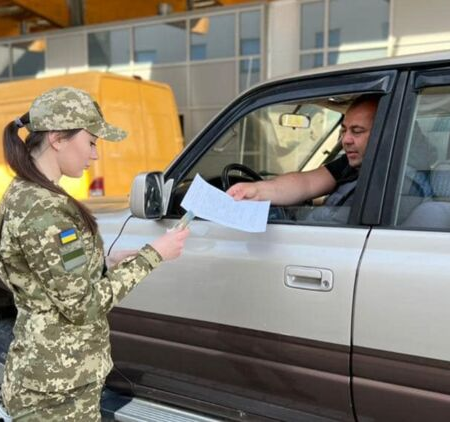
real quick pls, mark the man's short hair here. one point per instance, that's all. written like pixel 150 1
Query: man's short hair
pixel 365 98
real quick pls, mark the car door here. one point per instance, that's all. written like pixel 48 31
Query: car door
pixel 401 358
pixel 253 325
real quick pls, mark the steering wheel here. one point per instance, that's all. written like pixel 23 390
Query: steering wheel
pixel 247 171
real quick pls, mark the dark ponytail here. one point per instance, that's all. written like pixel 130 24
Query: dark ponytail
pixel 18 155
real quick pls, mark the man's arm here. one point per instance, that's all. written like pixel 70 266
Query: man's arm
pixel 287 189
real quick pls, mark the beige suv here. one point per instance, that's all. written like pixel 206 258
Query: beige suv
pixel 341 319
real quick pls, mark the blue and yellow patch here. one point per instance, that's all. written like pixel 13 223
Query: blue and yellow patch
pixel 71 249
pixel 68 236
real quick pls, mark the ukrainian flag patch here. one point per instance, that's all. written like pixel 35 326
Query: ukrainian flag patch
pixel 71 249
pixel 68 236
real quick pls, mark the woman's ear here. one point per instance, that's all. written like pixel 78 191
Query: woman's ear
pixel 54 140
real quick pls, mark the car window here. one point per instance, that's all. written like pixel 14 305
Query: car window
pixel 261 141
pixel 273 140
pixel 423 198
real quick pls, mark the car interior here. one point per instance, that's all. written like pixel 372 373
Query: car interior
pixel 303 135
pixel 273 140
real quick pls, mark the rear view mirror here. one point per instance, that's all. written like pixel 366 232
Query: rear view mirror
pixel 295 121
pixel 146 199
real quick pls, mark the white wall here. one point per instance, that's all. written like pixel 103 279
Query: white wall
pixel 283 37
pixel 416 26
pixel 420 26
pixel 66 54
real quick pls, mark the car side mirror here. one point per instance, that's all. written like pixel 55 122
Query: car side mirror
pixel 146 199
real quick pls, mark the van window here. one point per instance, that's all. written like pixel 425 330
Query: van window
pixel 109 48
pixel 423 199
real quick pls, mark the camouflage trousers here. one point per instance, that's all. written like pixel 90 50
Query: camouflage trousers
pixel 81 404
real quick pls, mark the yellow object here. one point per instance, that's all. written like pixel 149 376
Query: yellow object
pixel 146 110
pixel 55 11
pixel 68 236
pixel 96 11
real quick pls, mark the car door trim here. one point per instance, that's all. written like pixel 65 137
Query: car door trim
pixel 252 357
pixel 400 379
pixel 374 176
pixel 432 78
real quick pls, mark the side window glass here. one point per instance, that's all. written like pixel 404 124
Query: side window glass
pixel 274 140
pixel 424 192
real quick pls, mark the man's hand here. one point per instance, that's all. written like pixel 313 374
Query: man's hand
pixel 244 191
pixel 287 189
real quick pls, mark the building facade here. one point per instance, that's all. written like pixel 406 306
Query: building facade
pixel 209 57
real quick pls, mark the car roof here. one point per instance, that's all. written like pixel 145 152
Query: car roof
pixel 411 60
pixel 433 58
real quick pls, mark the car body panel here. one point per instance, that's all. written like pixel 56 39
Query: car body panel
pixel 401 351
pixel 232 280
pixel 221 330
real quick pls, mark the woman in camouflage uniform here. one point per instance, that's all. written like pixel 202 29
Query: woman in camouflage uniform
pixel 54 264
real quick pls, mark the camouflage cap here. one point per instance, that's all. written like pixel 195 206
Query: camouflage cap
pixel 67 108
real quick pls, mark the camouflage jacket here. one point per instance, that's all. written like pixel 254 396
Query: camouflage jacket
pixel 53 266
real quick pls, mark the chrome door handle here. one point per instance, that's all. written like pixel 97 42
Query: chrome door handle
pixel 308 278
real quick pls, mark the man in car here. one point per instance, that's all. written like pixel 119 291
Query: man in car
pixel 336 179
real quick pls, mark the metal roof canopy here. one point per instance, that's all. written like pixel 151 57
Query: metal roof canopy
pixel 19 17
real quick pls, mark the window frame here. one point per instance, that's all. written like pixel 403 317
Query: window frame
pixel 418 80
pixel 382 82
pixel 327 48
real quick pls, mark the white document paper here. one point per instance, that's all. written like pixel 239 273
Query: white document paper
pixel 210 203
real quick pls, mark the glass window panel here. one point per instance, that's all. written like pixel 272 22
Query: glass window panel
pixel 334 37
pixel 337 57
pixel 198 52
pixel 212 84
pixel 424 193
pixel 216 38
pixel 350 19
pixel 148 56
pixel 109 48
pixel 250 33
pixel 199 119
pixel 249 73
pixel 249 47
pixel 310 61
pixel 311 25
pixel 4 61
pixel 261 141
pixel 163 43
pixel 28 57
pixel 175 76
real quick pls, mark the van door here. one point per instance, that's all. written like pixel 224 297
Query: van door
pixel 120 162
pixel 254 325
pixel 401 359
